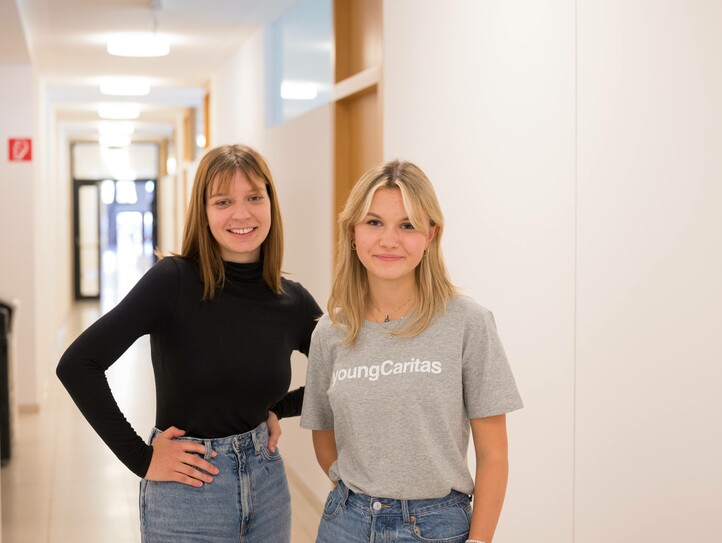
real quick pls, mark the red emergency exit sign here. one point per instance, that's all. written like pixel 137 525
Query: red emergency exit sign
pixel 20 149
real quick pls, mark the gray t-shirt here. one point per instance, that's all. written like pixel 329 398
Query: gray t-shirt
pixel 400 407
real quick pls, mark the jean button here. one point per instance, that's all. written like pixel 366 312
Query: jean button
pixel 376 506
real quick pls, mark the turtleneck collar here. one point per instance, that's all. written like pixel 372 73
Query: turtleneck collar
pixel 244 273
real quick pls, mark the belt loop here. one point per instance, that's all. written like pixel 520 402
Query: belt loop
pixel 344 492
pixel 257 436
pixel 405 511
pixel 209 449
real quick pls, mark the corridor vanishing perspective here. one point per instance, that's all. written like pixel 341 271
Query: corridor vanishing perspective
pixel 575 150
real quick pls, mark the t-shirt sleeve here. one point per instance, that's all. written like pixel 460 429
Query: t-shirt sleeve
pixel 317 413
pixel 82 367
pixel 489 386
pixel 290 404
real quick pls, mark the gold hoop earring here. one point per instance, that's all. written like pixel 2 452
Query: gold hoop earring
pixel 353 245
pixel 426 252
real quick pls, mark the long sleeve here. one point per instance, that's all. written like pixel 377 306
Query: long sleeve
pixel 291 404
pixel 82 367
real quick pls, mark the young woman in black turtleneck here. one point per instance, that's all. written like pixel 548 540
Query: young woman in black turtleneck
pixel 222 324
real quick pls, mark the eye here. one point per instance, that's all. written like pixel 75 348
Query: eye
pixel 407 226
pixel 255 198
pixel 221 203
pixel 373 222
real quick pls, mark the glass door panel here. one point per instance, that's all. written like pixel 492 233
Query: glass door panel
pixel 87 240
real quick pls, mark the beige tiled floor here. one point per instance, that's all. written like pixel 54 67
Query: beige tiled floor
pixel 63 485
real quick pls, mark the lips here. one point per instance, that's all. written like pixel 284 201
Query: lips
pixel 389 258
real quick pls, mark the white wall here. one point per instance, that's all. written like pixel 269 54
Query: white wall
pixel 299 155
pixel 18 210
pixel 53 239
pixel 302 170
pixel 237 96
pixel 58 246
pixel 649 283
pixel 575 149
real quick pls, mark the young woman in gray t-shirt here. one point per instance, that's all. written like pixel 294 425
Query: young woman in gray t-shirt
pixel 401 370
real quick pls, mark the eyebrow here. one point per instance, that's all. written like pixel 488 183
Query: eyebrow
pixel 379 216
pixel 218 194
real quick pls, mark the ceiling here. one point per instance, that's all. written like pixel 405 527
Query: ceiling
pixel 65 40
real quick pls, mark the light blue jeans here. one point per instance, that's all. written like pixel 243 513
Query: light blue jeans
pixel 349 517
pixel 247 502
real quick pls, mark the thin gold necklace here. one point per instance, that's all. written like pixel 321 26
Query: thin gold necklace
pixel 387 318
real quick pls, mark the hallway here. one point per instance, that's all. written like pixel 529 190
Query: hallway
pixel 575 150
pixel 63 484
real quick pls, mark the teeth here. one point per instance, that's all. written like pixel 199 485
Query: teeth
pixel 241 230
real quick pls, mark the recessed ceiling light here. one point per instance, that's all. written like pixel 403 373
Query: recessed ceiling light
pixel 125 86
pixel 119 111
pixel 138 44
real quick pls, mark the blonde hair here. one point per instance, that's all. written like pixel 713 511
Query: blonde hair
pixel 216 170
pixel 347 303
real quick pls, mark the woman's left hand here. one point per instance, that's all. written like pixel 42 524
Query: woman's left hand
pixel 274 431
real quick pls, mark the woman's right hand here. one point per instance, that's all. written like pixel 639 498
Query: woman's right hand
pixel 178 461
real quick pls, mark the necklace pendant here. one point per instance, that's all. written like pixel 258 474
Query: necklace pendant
pixel 387 318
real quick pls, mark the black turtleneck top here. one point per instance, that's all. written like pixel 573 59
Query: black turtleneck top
pixel 220 365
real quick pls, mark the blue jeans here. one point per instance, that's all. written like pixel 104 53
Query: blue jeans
pixel 349 517
pixel 247 502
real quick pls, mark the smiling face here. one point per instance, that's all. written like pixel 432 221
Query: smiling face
pixel 387 244
pixel 239 217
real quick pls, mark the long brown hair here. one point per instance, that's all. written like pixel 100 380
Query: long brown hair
pixel 217 168
pixel 347 303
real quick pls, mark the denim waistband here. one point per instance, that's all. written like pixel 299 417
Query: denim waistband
pixel 254 439
pixel 393 507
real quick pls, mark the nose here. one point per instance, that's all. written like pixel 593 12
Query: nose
pixel 389 238
pixel 240 210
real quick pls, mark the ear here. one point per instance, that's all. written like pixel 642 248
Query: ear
pixel 432 234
